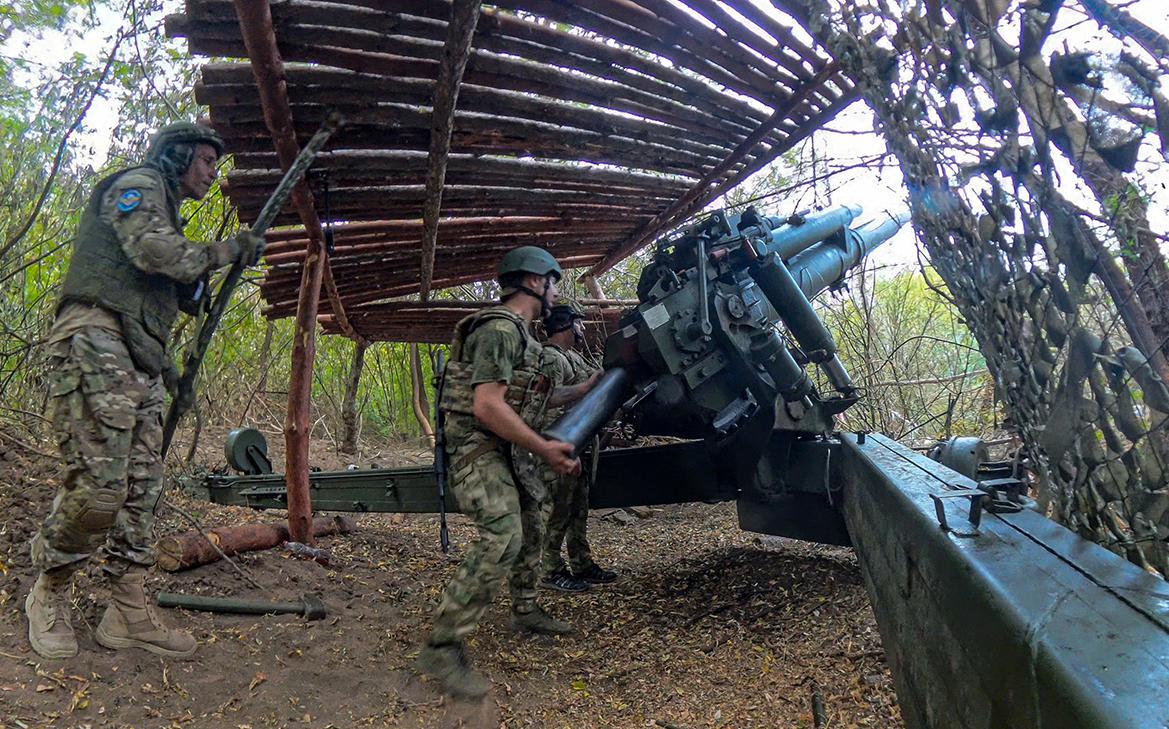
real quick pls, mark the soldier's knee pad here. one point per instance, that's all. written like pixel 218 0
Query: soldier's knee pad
pixel 92 516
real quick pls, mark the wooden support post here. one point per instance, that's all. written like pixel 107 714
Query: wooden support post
pixel 593 286
pixel 460 29
pixel 255 19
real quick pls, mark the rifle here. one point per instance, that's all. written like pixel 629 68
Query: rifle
pixel 184 396
pixel 440 453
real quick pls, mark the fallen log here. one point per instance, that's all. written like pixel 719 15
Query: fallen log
pixel 191 549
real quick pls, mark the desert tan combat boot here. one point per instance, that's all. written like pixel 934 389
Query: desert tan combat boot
pixel 50 631
pixel 449 664
pixel 132 621
pixel 539 622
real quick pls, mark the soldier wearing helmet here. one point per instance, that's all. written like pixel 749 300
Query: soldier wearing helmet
pixel 564 326
pixel 493 391
pixel 131 272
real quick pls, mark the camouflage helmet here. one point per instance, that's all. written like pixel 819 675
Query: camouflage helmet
pixel 561 317
pixel 527 259
pixel 183 132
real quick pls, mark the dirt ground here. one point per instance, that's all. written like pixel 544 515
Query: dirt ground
pixel 708 626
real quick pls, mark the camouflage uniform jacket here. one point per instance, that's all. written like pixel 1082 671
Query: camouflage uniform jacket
pixel 559 372
pixel 131 260
pixel 492 345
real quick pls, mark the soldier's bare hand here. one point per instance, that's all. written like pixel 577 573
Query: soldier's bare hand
pixel 561 456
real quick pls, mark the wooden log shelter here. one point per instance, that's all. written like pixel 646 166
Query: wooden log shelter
pixel 589 127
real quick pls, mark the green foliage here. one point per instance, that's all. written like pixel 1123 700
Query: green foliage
pixel 895 329
pixel 906 346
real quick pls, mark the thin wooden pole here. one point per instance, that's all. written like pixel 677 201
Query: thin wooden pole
pixel 255 19
pixel 464 16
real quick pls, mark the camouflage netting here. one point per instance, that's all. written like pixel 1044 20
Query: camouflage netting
pixel 1068 300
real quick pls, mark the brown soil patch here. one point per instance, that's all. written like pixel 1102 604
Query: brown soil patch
pixel 708 626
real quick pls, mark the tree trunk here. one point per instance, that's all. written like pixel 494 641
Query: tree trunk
pixel 418 400
pixel 350 423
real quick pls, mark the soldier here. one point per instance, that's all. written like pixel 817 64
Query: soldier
pixel 493 390
pixel 131 271
pixel 570 510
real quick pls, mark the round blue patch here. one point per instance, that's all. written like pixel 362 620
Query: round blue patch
pixel 129 200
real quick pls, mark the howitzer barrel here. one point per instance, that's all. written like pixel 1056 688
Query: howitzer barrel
pixel 789 238
pixel 583 420
pixel 823 264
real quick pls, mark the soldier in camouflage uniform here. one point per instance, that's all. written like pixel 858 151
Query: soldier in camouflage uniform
pixel 131 271
pixel 570 492
pixel 493 390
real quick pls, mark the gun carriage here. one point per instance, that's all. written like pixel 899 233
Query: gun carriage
pixel 1029 625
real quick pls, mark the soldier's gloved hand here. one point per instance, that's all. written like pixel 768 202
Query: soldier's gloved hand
pixel 170 378
pixel 251 246
pixel 224 252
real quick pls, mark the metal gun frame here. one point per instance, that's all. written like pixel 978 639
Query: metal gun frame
pixel 992 616
pixel 1024 623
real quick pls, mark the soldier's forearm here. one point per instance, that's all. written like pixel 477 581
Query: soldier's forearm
pixel 567 394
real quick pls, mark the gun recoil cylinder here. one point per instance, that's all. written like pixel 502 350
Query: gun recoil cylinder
pixel 787 239
pixel 791 382
pixel 793 307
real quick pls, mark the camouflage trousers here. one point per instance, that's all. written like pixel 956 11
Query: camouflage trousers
pixel 107 419
pixel 569 518
pixel 509 514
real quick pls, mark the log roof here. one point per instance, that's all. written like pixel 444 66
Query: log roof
pixel 432 322
pixel 585 126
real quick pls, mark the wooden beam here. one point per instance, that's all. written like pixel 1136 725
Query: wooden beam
pixel 255 20
pixel 593 286
pixel 705 189
pixel 455 52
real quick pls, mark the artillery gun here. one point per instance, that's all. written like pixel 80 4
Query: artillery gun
pixel 718 349
pixel 1028 624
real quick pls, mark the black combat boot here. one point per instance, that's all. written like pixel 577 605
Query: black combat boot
pixel 594 575
pixel 563 580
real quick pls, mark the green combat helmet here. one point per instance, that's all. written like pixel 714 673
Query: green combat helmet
pixel 183 132
pixel 173 147
pixel 562 316
pixel 526 259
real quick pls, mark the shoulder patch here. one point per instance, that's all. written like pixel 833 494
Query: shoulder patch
pixel 129 199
